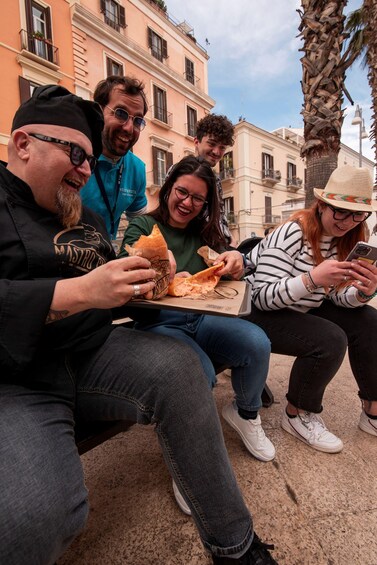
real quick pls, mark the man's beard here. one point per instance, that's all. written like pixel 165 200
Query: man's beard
pixel 109 144
pixel 69 207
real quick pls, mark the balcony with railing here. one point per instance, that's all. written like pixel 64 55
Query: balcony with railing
pixel 270 177
pixel 193 79
pixel 37 44
pixel 161 116
pixel 294 184
pixel 227 174
pixel 271 221
pixel 231 218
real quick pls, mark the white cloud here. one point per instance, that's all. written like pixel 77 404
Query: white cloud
pixel 257 34
pixel 254 65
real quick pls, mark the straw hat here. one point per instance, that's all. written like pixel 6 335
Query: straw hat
pixel 349 188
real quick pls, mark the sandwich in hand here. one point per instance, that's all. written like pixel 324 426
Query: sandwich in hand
pixel 154 248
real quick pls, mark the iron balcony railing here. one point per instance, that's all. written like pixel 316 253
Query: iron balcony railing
pixel 271 174
pixel 39 45
pixel 162 115
pixel 227 174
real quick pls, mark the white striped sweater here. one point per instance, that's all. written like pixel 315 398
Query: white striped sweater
pixel 280 260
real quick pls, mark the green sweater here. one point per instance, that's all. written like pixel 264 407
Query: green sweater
pixel 182 242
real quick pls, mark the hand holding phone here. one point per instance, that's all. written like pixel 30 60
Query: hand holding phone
pixel 363 251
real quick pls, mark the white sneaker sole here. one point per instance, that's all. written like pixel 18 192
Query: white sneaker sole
pixel 368 428
pixel 250 449
pixel 285 424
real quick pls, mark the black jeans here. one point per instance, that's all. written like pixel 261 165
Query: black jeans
pixel 319 339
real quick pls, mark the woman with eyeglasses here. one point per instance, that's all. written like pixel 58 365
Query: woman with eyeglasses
pixel 313 303
pixel 188 217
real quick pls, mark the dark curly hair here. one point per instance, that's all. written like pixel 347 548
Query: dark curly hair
pixel 207 223
pixel 218 126
pixel 131 86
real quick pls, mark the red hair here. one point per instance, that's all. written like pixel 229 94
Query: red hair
pixel 311 225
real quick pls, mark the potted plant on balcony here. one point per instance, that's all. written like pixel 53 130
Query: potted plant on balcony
pixel 160 4
pixel 38 35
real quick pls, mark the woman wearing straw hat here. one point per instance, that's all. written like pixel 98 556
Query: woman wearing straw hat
pixel 313 304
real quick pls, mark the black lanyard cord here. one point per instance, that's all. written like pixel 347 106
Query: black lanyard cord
pixel 106 198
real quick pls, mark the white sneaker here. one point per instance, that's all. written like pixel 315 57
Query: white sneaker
pixel 311 429
pixel 180 500
pixel 367 424
pixel 251 432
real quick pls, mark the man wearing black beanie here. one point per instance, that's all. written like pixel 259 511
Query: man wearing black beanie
pixel 62 359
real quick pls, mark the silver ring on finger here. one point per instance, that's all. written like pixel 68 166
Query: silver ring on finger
pixel 345 278
pixel 136 288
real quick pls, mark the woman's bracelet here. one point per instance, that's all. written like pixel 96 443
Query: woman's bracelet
pixel 366 297
pixel 308 282
pixel 311 280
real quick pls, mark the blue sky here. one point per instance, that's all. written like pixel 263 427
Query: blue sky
pixel 254 67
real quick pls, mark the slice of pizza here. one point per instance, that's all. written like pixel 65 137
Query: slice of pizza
pixel 196 285
pixel 154 248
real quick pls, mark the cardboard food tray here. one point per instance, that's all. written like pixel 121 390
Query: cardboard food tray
pixel 229 298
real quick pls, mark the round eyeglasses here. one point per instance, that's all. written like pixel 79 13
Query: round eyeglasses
pixel 182 194
pixel 77 154
pixel 341 214
pixel 123 116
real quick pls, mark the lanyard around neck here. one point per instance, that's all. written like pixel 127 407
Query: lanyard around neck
pixel 106 198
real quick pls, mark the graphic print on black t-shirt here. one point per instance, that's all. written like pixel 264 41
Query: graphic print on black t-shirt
pixel 81 249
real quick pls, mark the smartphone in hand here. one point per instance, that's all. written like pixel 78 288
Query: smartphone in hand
pixel 363 251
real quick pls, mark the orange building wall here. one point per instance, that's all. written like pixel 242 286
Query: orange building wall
pixel 11 23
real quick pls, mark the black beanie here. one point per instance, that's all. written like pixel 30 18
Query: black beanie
pixel 55 105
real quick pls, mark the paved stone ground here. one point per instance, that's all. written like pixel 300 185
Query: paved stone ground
pixel 317 508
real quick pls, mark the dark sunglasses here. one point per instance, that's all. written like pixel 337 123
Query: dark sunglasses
pixel 182 194
pixel 123 116
pixel 77 154
pixel 341 214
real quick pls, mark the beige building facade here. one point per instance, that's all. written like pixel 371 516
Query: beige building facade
pixel 263 178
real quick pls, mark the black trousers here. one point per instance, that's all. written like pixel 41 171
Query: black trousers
pixel 319 340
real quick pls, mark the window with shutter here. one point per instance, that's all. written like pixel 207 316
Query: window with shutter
pixel 113 67
pixel 160 104
pixel 192 118
pixel 268 209
pixel 114 14
pixel 291 171
pixel 267 165
pixel 162 160
pixel 39 33
pixel 189 71
pixel 157 45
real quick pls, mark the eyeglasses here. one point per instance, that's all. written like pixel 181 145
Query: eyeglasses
pixel 77 154
pixel 182 194
pixel 123 116
pixel 341 214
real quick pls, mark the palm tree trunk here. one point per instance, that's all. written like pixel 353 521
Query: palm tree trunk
pixel 318 171
pixel 371 9
pixel 322 29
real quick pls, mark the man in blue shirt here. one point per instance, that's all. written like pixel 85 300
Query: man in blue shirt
pixel 118 182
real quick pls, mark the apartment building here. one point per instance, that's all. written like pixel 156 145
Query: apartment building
pixel 35 49
pixel 77 43
pixel 263 177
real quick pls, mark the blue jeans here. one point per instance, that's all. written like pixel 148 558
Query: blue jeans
pixel 225 341
pixel 133 376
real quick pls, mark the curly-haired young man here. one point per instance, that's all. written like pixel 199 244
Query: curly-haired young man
pixel 214 134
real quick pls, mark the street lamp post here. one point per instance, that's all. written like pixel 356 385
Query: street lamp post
pixel 359 120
